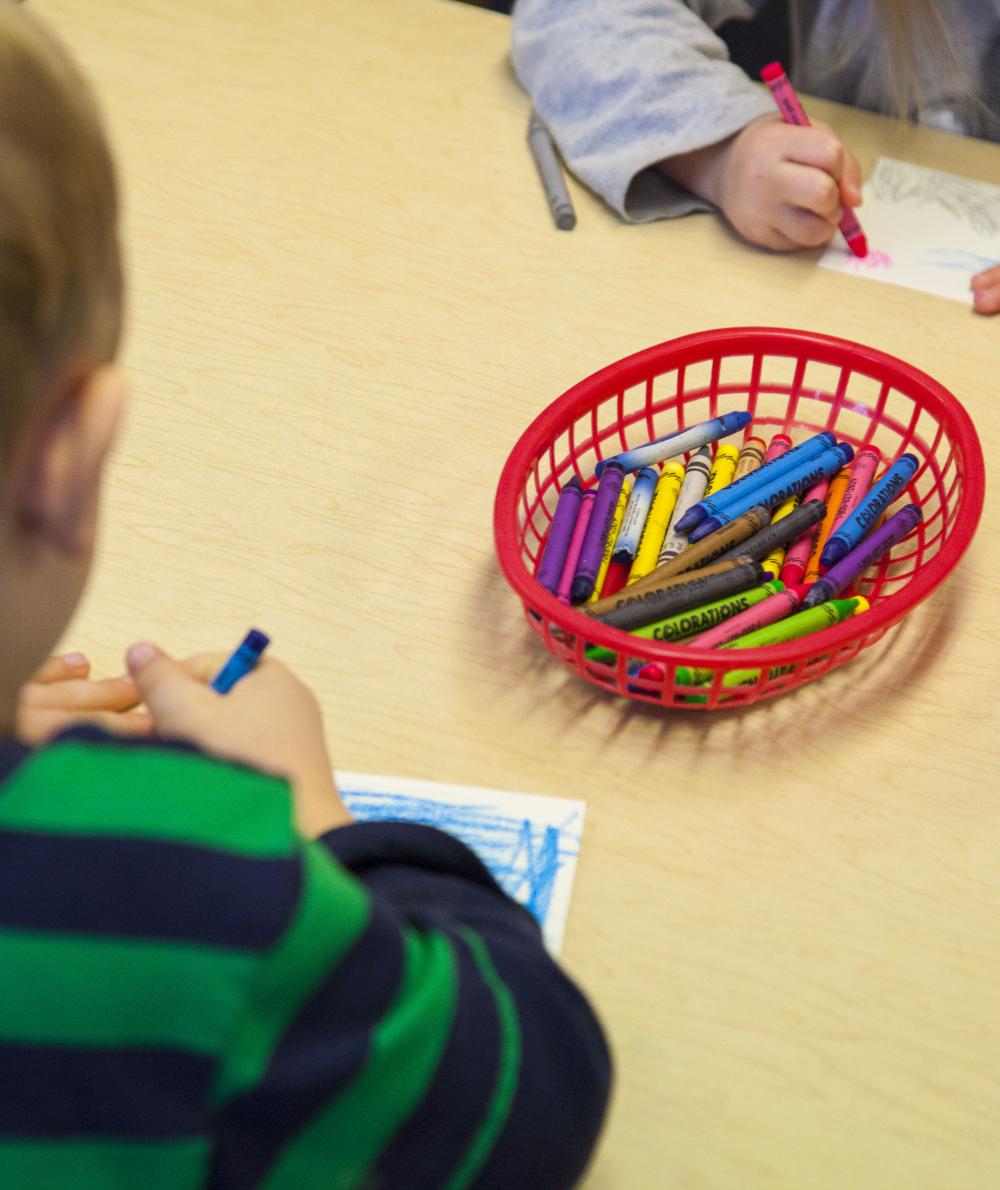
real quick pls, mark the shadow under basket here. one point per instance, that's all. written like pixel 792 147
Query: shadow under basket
pixel 797 382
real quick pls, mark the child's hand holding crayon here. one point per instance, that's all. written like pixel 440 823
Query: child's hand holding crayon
pixel 780 185
pixel 270 721
pixel 62 694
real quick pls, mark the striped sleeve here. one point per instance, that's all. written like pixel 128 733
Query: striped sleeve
pixel 444 1051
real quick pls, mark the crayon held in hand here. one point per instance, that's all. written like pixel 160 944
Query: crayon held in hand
pixel 244 658
pixel 678 443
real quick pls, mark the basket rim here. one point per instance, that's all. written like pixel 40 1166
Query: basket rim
pixel 698 347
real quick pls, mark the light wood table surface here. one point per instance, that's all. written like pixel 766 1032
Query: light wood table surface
pixel 348 300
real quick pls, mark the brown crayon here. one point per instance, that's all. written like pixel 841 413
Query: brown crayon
pixel 725 540
pixel 690 590
pixel 641 590
pixel 751 457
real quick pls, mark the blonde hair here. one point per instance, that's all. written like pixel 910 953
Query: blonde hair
pixel 60 266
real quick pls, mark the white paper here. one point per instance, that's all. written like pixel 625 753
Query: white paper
pixel 926 229
pixel 530 843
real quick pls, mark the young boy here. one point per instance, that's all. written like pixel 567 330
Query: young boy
pixel 196 991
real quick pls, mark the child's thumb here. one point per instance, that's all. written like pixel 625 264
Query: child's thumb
pixel 168 690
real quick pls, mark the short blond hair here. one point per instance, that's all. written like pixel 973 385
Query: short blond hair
pixel 61 292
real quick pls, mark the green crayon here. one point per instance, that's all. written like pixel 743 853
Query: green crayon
pixel 791 628
pixel 699 619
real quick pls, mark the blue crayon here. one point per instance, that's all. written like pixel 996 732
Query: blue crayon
pixel 636 512
pixel 244 658
pixel 678 443
pixel 601 519
pixel 856 561
pixel 870 508
pixel 787 483
pixel 810 449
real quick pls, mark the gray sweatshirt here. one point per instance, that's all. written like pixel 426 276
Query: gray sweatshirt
pixel 624 84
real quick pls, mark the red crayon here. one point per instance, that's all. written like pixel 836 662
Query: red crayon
pixel 792 112
pixel 615 578
pixel 797 557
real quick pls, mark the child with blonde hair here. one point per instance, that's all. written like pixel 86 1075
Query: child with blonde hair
pixel 651 111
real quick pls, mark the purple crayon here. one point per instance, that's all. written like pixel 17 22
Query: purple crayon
pixel 788 483
pixel 560 532
pixel 852 564
pixel 575 545
pixel 601 519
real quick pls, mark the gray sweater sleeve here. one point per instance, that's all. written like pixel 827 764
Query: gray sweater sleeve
pixel 624 84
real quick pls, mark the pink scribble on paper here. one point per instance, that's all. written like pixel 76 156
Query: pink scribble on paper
pixel 874 260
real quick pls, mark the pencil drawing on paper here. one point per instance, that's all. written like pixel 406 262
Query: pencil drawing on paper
pixel 968 201
pixel 530 844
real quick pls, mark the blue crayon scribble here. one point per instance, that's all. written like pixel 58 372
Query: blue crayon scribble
pixel 525 857
pixel 957 258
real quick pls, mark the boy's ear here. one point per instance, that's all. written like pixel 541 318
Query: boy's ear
pixel 61 483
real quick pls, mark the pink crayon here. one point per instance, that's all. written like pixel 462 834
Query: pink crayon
pixel 797 557
pixel 774 608
pixel 860 480
pixel 575 545
pixel 778 446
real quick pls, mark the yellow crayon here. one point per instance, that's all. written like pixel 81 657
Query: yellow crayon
pixel 833 498
pixel 609 545
pixel 776 558
pixel 723 469
pixel 664 498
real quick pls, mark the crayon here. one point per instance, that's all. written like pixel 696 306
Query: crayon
pixel 655 529
pixel 692 489
pixel 858 483
pixel 803 623
pixel 615 579
pixel 782 603
pixel 691 590
pixel 627 540
pixel 750 458
pixel 651 584
pixel 598 529
pixel 241 661
pixel 560 532
pixel 798 552
pixel 724 542
pixel 609 544
pixel 575 545
pixel 723 468
pixel 698 619
pixel 784 485
pixel 543 150
pixel 779 445
pixel 776 558
pixel 777 533
pixel 870 508
pixel 678 443
pixel 854 563
pixel 757 473
pixel 838 485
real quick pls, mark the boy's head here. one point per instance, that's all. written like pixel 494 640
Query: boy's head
pixel 60 321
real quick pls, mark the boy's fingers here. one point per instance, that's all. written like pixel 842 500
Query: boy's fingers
pixel 810 189
pixel 850 183
pixel 986 299
pixel 109 694
pixel 174 698
pixel 204 666
pixel 804 228
pixel 61 669
pixel 820 147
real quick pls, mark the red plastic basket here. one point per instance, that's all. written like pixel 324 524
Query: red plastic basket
pixel 793 381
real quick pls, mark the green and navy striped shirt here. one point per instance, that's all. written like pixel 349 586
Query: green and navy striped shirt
pixel 193 995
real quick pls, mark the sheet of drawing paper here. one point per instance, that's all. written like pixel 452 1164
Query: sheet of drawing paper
pixel 926 229
pixel 530 843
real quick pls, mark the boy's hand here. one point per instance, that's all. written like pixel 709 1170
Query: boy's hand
pixel 61 695
pixel 269 721
pixel 986 291
pixel 780 185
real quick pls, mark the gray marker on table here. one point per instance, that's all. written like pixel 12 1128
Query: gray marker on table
pixel 549 170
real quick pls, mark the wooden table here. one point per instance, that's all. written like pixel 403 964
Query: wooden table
pixel 348 300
